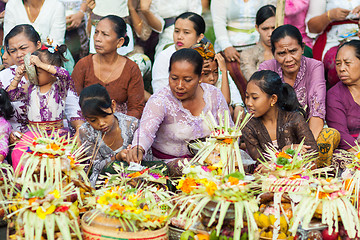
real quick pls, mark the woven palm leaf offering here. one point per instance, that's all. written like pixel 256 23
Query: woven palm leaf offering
pixel 351 174
pixel 134 175
pixel 330 202
pixel 288 174
pixel 219 202
pixel 221 152
pixel 51 156
pixel 43 212
pixel 121 211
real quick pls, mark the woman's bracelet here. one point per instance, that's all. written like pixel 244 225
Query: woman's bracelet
pixel 328 15
pixel 13 85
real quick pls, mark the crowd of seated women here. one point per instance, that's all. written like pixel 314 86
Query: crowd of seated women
pixel 297 80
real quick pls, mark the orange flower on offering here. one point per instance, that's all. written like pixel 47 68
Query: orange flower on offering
pixel 55 147
pixel 188 185
pixel 233 181
pixel 348 183
pixel 228 140
pixel 118 207
pixel 284 155
pixel 31 200
pixel 358 155
pixel 323 195
pixel 211 188
pixel 296 176
pixel 202 236
pixel 134 175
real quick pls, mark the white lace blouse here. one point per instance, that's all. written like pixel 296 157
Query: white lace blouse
pixel 167 126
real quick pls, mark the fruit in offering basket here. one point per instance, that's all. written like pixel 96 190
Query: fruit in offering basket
pixel 263 221
pixel 326 235
pixel 187 235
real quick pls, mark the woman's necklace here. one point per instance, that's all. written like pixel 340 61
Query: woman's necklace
pixel 27 7
pixel 112 71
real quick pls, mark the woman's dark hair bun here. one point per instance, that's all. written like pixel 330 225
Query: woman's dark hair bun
pixel 119 27
pixel 126 41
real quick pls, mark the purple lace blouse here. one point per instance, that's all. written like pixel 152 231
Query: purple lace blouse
pixel 342 113
pixel 168 126
pixel 310 84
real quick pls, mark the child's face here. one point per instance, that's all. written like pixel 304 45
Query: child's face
pixel 210 74
pixel 103 123
pixel 257 101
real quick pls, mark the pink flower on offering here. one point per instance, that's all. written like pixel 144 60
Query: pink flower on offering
pixel 205 168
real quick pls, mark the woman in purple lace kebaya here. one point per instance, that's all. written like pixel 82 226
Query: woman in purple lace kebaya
pixel 171 117
pixel 306 76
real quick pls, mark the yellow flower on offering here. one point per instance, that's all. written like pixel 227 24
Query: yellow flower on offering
pixel 55 193
pixel 132 198
pixel 358 155
pixel 104 199
pixel 203 181
pixel 211 188
pixel 42 214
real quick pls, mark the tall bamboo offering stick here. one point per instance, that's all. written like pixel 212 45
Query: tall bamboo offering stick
pixel 280 13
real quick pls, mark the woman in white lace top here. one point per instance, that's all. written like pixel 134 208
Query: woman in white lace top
pixel 171 117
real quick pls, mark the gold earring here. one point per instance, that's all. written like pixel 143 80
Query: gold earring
pixel 271 104
pixel 200 81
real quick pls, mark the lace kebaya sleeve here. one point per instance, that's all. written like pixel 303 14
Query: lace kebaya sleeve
pixel 19 93
pixel 337 118
pixel 252 142
pixel 316 93
pixel 303 131
pixel 152 117
pixel 5 129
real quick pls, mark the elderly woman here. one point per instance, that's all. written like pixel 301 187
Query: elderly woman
pixel 343 100
pixel 172 116
pixel 21 40
pixel 306 76
pixel 119 75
